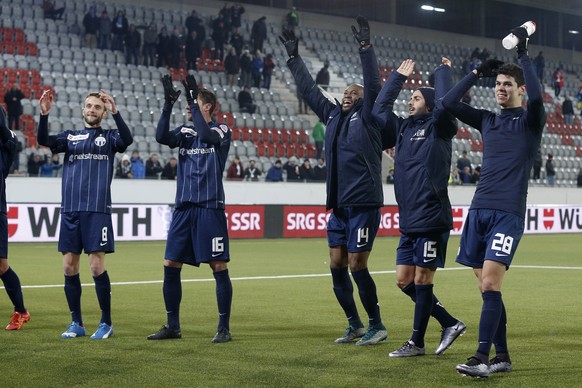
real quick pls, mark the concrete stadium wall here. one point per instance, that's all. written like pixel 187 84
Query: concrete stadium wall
pixel 48 190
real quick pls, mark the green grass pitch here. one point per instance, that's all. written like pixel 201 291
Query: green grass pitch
pixel 283 324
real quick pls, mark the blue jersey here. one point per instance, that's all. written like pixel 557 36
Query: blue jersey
pixel 203 151
pixel 510 143
pixel 88 164
pixel 423 156
pixel 8 144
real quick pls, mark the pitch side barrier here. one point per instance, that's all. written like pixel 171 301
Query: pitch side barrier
pixel 142 210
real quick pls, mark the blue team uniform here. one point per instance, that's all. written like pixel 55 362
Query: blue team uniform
pixel 423 148
pixel 86 183
pixel 495 222
pixel 198 232
pixel 7 149
pixel 353 154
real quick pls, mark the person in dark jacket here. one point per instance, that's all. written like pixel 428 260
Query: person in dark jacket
pixel 352 145
pixel 423 143
pixel 13 99
pixel 259 33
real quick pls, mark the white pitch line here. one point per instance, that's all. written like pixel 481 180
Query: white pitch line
pixel 283 277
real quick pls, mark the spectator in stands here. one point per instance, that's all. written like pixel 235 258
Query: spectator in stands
pixel 170 169
pixel 245 100
pixel 465 175
pixel 540 64
pixel 476 175
pixel 153 167
pixel 579 179
pixel 568 110
pixel 550 170
pixel 252 172
pixel 275 173
pixel 13 99
pixel 303 107
pixel 558 77
pixel 246 69
pixel 35 161
pixel 390 177
pixel 150 42
pixel 537 164
pixel 235 17
pixel 132 46
pixel 258 65
pixel 91 25
pixel 306 171
pixel 236 170
pixel 104 37
pixel 56 165
pixel 322 78
pixel 231 67
pixel 193 22
pixel 137 165
pixel 292 168
pixel 123 170
pixel 292 19
pixel 176 45
pixel 15 167
pixel 268 66
pixel 319 137
pixel 226 14
pixel 47 168
pixel 320 170
pixel 120 27
pixel 237 41
pixel 192 50
pixel 163 48
pixel 455 178
pixel 259 33
pixel 219 36
pixel 463 162
pixel 51 11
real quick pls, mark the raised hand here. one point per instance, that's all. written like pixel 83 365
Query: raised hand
pixel 170 94
pixel 363 35
pixel 108 101
pixel 521 34
pixel 406 67
pixel 191 88
pixel 290 42
pixel 46 101
pixel 489 68
pixel 446 61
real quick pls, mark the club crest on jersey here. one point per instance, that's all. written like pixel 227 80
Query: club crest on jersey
pixel 100 141
pixel 188 131
pixel 78 137
pixel 222 129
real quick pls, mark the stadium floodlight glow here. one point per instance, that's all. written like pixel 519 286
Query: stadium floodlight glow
pixel 426 7
pixel 574 32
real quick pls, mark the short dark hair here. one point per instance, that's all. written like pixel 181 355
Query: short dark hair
pixel 207 97
pixel 512 70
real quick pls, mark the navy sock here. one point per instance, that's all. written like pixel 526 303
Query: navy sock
pixel 223 297
pixel 490 315
pixel 422 308
pixel 368 296
pixel 438 310
pixel 172 295
pixel 13 289
pixel 73 294
pixel 103 290
pixel 344 292
pixel 500 338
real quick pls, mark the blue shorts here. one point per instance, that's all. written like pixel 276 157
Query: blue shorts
pixel 355 227
pixel 489 235
pixel 428 250
pixel 3 236
pixel 198 235
pixel 89 231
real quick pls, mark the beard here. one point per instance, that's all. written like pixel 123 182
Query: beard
pixel 93 121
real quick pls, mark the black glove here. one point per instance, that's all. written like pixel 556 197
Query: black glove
pixel 489 68
pixel 191 88
pixel 521 34
pixel 290 42
pixel 170 94
pixel 362 36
